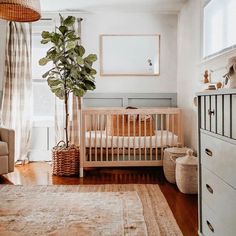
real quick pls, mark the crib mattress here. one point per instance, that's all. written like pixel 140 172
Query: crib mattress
pixel 161 139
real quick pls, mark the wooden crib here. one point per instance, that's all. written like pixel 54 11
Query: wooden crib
pixel 114 137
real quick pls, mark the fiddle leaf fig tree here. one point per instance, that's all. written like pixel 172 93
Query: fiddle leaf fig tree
pixel 72 71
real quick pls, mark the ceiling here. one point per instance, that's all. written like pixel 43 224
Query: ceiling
pixel 112 5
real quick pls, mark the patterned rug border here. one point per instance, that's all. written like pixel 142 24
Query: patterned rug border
pixel 158 216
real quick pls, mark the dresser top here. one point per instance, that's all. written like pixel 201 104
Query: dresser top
pixel 216 92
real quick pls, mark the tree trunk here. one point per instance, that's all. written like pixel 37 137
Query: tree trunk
pixel 67 119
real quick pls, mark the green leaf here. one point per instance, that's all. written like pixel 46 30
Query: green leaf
pixel 78 92
pixel 70 45
pixel 52 82
pixel 90 85
pixel 63 29
pixel 45 41
pixel 91 58
pixel 45 75
pixel 55 38
pixel 93 72
pixel 58 90
pixel 80 60
pixel 43 61
pixel 81 50
pixel 45 35
pixel 69 21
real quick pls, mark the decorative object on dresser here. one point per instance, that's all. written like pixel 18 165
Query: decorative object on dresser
pixel 206 77
pixel 217 162
pixel 186 173
pixel 169 162
pixel 72 72
pixel 230 76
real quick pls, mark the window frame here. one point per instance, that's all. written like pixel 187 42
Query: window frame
pixel 218 53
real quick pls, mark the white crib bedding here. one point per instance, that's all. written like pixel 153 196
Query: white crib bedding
pixel 161 139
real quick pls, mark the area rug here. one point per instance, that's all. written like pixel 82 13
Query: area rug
pixel 104 210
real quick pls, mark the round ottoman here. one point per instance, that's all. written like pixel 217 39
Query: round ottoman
pixel 170 156
pixel 186 173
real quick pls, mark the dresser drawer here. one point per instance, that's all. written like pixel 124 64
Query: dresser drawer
pixel 217 113
pixel 220 197
pixel 210 225
pixel 219 157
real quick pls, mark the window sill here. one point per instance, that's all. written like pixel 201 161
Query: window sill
pixel 221 56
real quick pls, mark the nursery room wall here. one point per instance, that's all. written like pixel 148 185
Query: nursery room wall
pixel 95 24
pixel 191 65
pixel 135 23
pixel 188 75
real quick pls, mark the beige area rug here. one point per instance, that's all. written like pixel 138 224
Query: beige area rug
pixel 86 210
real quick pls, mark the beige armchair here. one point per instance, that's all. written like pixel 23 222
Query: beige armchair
pixel 7 150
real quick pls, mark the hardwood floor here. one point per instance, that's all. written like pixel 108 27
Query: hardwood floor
pixel 184 207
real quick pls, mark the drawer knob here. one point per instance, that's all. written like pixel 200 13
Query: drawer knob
pixel 211 112
pixel 209 188
pixel 208 152
pixel 210 226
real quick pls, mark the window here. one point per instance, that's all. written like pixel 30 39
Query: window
pixel 43 99
pixel 219 32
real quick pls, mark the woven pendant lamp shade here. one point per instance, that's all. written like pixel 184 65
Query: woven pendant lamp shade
pixel 20 10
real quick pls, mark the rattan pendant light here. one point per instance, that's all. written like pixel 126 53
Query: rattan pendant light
pixel 20 10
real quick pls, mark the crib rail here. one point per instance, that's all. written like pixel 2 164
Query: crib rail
pixel 128 137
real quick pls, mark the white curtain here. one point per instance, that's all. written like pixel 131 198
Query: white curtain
pixel 17 85
pixel 75 104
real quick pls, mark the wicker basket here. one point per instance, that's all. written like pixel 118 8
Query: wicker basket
pixel 186 173
pixel 65 161
pixel 170 156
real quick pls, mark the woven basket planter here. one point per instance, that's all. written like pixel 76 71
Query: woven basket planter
pixel 187 174
pixel 169 162
pixel 65 161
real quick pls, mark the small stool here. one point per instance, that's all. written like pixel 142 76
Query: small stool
pixel 170 156
pixel 186 173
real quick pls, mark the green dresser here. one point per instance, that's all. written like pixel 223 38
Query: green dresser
pixel 217 162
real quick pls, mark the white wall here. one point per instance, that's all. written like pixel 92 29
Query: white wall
pixel 191 66
pixel 129 23
pixel 188 74
pixel 135 23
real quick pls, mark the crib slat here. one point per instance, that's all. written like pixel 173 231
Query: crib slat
pixel 118 136
pixel 150 143
pixel 162 136
pixel 173 129
pixel 123 133
pixel 156 128
pixel 101 148
pixel 134 132
pixel 167 129
pixel 180 132
pixel 145 136
pixel 129 137
pixel 90 137
pixel 112 149
pixel 106 138
pixel 96 151
pixel 139 124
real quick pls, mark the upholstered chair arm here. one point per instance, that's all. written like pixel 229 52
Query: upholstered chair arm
pixel 8 136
